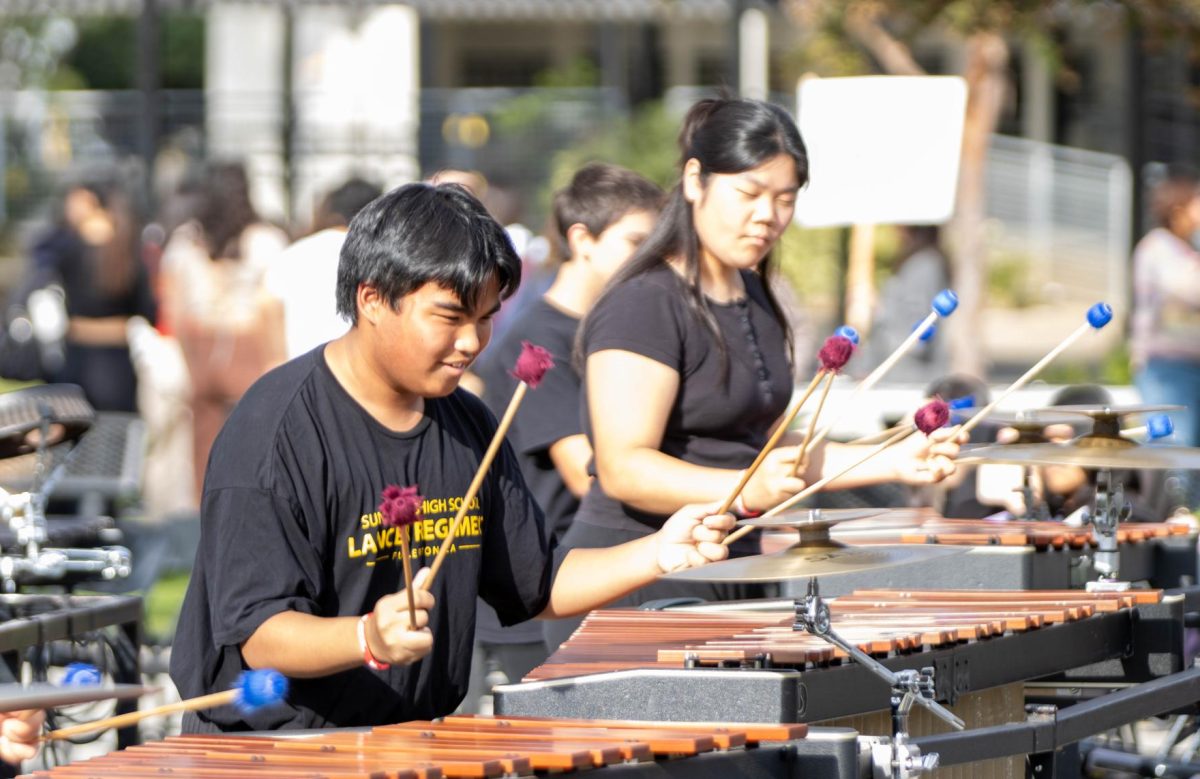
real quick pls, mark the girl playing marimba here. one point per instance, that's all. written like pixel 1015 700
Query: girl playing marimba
pixel 687 368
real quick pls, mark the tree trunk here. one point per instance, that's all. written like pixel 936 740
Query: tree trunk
pixel 986 74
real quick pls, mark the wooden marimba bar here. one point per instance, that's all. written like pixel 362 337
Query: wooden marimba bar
pixel 881 622
pixel 458 747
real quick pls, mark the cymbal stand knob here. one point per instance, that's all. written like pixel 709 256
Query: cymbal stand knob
pixel 813 616
pixel 898 758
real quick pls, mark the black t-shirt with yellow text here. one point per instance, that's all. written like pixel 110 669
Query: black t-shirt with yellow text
pixel 290 522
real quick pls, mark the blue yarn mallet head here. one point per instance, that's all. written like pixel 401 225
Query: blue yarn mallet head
pixel 928 334
pixel 945 302
pixel 846 331
pixel 1159 426
pixel 81 675
pixel 966 401
pixel 958 404
pixel 259 688
pixel 1099 315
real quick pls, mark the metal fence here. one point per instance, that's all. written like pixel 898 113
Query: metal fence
pixel 1061 217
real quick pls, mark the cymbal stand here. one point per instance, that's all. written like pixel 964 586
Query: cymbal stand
pixel 1036 509
pixel 1111 509
pixel 25 513
pixel 898 758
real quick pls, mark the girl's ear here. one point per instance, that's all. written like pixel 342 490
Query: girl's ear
pixel 693 187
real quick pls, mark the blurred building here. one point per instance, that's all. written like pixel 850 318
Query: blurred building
pixel 308 91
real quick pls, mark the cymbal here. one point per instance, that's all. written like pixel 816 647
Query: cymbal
pixel 807 560
pixel 1105 411
pixel 63 406
pixel 1089 452
pixel 1038 417
pixel 17 697
pixel 810 518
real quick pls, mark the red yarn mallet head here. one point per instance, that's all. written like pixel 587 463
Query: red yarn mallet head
pixel 836 352
pixel 401 506
pixel 532 364
pixel 931 416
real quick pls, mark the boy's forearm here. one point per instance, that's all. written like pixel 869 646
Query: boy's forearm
pixel 591 578
pixel 303 646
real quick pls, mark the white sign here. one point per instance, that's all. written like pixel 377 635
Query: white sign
pixel 881 149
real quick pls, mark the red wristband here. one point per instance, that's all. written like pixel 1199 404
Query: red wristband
pixel 368 658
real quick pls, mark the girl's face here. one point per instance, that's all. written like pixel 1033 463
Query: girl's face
pixel 740 216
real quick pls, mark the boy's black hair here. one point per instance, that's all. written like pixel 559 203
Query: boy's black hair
pixel 600 195
pixel 418 234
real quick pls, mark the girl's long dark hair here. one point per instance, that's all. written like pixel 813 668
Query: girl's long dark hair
pixel 725 135
pixel 225 209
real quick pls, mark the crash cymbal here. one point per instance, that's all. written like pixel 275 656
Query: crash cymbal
pixel 808 560
pixel 810 518
pixel 1104 411
pixel 1089 452
pixel 1033 418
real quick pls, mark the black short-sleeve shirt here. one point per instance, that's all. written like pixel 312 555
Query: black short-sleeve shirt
pixel 289 522
pixel 723 411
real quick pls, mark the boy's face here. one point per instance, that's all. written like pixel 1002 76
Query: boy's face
pixel 429 340
pixel 614 246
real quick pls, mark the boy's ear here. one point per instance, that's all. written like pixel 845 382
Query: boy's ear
pixel 579 240
pixel 370 303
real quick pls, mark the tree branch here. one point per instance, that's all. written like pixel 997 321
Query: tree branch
pixel 863 23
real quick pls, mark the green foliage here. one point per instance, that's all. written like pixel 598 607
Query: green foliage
pixel 580 72
pixel 1008 281
pixel 105 56
pixel 643 142
pixel 810 259
pixel 529 110
pixel 182 51
pixel 162 605
pixel 104 53
pixel 1114 368
pixel 31 49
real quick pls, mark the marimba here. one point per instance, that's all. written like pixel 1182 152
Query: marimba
pixel 468 747
pixel 732 665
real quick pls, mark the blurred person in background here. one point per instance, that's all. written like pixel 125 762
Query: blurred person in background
pixel 921 272
pixel 307 270
pixel 93 254
pixel 1165 337
pixel 216 303
pixel 1166 317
